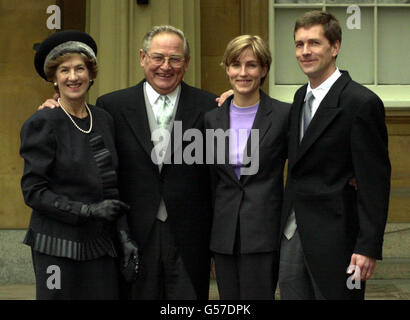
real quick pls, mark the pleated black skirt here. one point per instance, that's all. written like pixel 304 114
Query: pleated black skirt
pixel 59 278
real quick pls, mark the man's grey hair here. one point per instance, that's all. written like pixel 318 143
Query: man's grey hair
pixel 146 42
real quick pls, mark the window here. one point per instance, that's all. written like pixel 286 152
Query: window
pixel 376 55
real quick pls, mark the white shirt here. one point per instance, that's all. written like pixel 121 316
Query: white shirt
pixel 156 102
pixel 321 91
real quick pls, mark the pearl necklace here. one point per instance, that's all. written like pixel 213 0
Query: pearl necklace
pixel 72 120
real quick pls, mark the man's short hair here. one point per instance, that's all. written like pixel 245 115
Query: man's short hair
pixel 331 26
pixel 146 42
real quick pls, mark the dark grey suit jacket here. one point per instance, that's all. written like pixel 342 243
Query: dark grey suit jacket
pixel 255 200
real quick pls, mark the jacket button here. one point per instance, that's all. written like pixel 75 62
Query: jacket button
pixel 56 204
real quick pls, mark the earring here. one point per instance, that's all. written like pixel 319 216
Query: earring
pixel 91 81
pixel 55 84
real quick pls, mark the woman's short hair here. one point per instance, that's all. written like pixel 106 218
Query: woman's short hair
pixel 50 68
pixel 239 44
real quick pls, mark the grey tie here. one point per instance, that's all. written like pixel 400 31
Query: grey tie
pixel 290 227
pixel 164 113
pixel 307 111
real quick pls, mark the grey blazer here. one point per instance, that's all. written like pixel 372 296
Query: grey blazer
pixel 253 202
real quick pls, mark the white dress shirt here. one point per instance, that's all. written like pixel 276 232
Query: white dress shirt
pixel 321 91
pixel 154 97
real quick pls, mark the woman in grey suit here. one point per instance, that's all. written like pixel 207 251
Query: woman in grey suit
pixel 248 186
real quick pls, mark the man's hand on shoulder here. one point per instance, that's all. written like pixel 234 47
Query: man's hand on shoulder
pixel 353 182
pixel 221 99
pixel 50 103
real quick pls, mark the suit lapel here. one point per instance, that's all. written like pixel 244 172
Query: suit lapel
pixel 294 130
pixel 324 116
pixel 187 109
pixel 135 115
pixel 186 116
pixel 261 123
pixel 223 122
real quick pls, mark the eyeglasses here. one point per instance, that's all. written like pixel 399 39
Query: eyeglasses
pixel 173 61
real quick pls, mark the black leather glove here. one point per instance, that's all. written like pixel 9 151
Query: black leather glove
pixel 130 257
pixel 108 209
pixel 129 248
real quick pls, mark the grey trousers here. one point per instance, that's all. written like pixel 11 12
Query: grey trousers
pixel 295 279
pixel 162 274
pixel 247 276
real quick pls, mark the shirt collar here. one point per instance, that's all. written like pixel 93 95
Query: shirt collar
pixel 321 91
pixel 153 96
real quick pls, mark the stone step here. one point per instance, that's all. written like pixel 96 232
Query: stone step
pixel 392 268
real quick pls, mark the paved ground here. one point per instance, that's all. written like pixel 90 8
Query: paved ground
pixel 376 290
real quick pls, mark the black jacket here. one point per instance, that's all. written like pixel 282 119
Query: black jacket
pixel 63 169
pixel 346 138
pixel 184 187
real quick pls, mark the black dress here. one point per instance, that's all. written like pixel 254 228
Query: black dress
pixel 64 168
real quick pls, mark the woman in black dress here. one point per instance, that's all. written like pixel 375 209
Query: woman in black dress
pixel 70 179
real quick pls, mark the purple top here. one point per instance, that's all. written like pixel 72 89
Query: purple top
pixel 241 121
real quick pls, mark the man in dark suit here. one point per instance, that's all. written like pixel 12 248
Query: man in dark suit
pixel 336 133
pixel 170 203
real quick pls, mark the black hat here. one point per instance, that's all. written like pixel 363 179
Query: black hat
pixel 63 42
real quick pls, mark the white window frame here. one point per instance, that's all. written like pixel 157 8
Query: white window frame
pixel 393 96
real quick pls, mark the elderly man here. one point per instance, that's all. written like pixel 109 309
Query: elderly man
pixel 170 203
